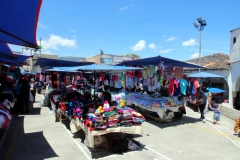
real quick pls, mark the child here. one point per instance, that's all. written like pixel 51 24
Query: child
pixel 217 114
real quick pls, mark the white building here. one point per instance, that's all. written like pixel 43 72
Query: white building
pixel 234 75
pixel 219 64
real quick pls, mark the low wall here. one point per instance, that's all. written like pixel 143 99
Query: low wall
pixel 229 112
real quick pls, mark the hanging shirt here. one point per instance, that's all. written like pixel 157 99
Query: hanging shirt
pixel 183 86
pixel 196 85
pixel 152 70
pixel 191 88
pixel 171 86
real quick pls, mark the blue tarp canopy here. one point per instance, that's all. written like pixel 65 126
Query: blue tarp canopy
pixel 215 90
pixel 19 20
pixel 5 51
pixel 95 67
pixel 19 60
pixel 43 62
pixel 156 60
pixel 204 75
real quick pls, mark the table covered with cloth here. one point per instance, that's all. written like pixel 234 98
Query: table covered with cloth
pixel 91 134
pixel 157 104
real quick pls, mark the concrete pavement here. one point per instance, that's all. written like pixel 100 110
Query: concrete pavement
pixel 37 136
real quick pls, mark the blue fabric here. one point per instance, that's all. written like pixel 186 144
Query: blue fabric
pixel 5 51
pixel 191 88
pixel 204 95
pixel 215 90
pixel 94 67
pixel 183 86
pixel 205 75
pixel 59 63
pixel 18 60
pixel 156 60
pixel 216 116
pixel 19 21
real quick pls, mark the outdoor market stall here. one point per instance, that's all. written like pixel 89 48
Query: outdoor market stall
pixel 167 86
pixel 199 77
pixel 94 118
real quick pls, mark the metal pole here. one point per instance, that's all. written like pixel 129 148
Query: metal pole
pixel 200 46
pixel 31 59
pixel 40 45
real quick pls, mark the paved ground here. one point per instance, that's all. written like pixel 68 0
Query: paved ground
pixel 37 136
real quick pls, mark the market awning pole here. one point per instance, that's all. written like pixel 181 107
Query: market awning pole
pixel 94 77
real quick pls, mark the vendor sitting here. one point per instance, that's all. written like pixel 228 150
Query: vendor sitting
pixel 106 95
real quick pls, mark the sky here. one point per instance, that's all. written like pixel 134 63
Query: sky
pixel 144 27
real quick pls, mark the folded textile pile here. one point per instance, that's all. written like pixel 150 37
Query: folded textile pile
pixel 5 114
pixel 113 116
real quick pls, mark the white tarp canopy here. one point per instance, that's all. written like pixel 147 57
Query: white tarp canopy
pixel 205 75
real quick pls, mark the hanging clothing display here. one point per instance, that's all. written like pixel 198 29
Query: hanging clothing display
pixel 183 86
pixel 171 88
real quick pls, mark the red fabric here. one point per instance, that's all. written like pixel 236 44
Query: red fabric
pixel 74 83
pixel 171 85
pixel 101 77
pixel 129 74
pixel 115 77
pixel 196 85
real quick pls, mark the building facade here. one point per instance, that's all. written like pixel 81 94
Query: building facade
pixel 218 64
pixel 234 76
pixel 108 59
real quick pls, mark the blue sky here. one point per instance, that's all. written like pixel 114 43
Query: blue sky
pixel 147 28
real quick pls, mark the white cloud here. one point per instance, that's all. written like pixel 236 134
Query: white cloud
pixel 132 5
pixel 54 42
pixel 195 55
pixel 139 46
pixel 163 36
pixel 166 50
pixel 171 39
pixel 72 30
pixel 152 46
pixel 48 52
pixel 74 36
pixel 42 26
pixel 123 8
pixel 191 42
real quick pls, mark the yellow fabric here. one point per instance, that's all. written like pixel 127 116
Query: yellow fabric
pixel 237 125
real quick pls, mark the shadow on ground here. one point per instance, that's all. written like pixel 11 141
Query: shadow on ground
pixel 106 149
pixel 20 145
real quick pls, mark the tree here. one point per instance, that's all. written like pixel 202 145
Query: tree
pixel 132 55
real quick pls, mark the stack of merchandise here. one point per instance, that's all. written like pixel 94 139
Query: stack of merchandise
pixel 5 114
pixel 72 105
pixel 109 117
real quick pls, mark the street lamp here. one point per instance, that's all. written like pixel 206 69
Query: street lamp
pixel 200 24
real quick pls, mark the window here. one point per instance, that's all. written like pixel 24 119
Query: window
pixel 234 40
pixel 118 60
pixel 107 60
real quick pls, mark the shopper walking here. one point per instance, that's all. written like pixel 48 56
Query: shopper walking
pixel 33 89
pixel 216 114
pixel 24 101
pixel 201 101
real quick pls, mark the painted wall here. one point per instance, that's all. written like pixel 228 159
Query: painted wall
pixel 234 75
pixel 235 47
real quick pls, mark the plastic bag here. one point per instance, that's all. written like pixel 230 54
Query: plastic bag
pixel 41 103
pixel 132 146
pixel 31 96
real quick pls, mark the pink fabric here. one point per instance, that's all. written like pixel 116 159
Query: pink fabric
pixel 196 85
pixel 171 86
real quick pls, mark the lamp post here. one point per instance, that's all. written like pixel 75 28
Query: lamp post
pixel 31 56
pixel 199 25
